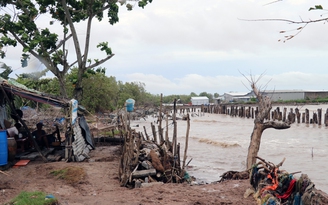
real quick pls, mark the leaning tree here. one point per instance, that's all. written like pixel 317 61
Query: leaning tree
pixel 22 22
pixel 260 122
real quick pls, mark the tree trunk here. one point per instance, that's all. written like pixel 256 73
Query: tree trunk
pixel 78 91
pixel 260 125
pixel 62 86
pixel 254 145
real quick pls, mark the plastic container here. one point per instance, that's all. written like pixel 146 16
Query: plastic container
pixel 3 148
pixel 129 105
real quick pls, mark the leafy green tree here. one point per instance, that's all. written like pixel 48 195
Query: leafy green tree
pixel 185 99
pixel 151 99
pixel 35 81
pixel 216 95
pixel 134 90
pixel 19 23
pixel 99 92
pixel 209 95
pixel 7 70
pixel 192 94
pixel 170 98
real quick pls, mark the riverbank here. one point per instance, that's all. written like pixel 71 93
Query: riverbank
pixel 100 185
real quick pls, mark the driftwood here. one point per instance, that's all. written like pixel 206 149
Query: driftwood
pixel 234 175
pixel 144 173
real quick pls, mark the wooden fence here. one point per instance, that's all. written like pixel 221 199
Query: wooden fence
pixel 293 115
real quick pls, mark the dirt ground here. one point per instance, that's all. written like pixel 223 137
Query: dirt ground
pixel 100 185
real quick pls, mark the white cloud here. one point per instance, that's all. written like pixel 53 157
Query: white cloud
pixel 195 46
pixel 226 83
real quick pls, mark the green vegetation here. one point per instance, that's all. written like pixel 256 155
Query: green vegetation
pixel 100 92
pixel 48 42
pixel 35 198
pixel 306 101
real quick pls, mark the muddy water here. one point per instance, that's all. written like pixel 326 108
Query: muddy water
pixel 219 143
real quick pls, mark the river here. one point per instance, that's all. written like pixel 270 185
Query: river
pixel 219 143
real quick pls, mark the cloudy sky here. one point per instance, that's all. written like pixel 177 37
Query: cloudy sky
pixel 179 47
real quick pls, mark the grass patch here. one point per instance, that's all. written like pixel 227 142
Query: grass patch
pixel 35 198
pixel 71 175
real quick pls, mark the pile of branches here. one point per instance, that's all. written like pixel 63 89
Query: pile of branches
pixel 274 186
pixel 145 161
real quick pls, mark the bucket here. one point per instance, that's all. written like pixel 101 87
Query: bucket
pixel 129 105
pixel 3 148
pixel 12 149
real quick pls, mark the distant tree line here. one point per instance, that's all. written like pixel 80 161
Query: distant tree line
pixel 100 92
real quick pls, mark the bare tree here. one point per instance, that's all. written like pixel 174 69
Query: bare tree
pixel 301 22
pixel 260 123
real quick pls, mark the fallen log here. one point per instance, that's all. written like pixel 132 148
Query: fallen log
pixel 143 173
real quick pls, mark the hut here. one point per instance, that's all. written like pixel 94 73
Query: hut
pixel 77 142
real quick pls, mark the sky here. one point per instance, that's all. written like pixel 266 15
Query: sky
pixel 179 47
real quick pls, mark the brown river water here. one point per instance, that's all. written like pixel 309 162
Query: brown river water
pixel 219 143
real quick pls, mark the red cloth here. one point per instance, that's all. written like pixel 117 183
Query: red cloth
pixel 289 190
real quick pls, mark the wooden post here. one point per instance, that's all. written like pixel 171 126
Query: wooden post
pixel 284 114
pixel 154 132
pixel 147 137
pixel 298 115
pixel 326 117
pixel 307 116
pixel 160 131
pixel 315 118
pixel 174 141
pixel 319 116
pixel 186 144
pixel 167 141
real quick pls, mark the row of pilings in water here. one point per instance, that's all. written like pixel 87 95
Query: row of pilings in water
pixel 291 116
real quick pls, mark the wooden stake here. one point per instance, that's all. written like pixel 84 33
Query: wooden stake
pixel 186 144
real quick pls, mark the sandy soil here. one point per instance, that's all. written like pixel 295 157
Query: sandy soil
pixel 101 185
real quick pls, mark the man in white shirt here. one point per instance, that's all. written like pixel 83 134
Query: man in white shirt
pixel 13 131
